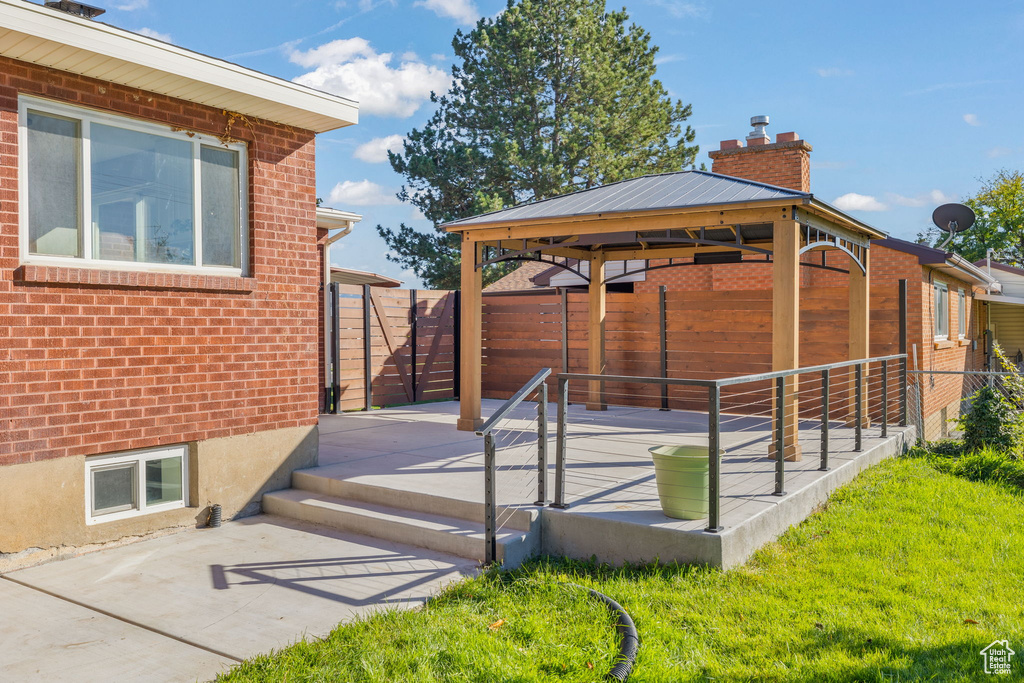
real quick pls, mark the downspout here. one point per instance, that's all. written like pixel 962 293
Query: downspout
pixel 326 279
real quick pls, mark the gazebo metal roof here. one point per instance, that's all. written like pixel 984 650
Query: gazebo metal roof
pixel 662 192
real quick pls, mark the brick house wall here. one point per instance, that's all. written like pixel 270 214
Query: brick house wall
pixel 96 361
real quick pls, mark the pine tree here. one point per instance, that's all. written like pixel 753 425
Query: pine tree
pixel 551 96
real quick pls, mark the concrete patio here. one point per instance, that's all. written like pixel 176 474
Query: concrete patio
pixel 189 605
pixel 375 465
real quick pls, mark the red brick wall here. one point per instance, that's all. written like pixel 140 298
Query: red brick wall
pixel 99 362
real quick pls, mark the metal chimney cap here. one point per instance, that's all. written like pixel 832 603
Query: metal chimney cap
pixel 759 122
pixel 79 9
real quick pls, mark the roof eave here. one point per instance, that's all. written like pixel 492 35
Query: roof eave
pixel 835 215
pixel 69 43
pixel 459 226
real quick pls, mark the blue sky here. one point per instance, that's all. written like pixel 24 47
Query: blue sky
pixel 907 104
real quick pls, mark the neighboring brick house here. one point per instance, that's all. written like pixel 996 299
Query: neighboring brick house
pixel 159 282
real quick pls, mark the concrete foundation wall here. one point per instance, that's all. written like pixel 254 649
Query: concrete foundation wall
pixel 43 508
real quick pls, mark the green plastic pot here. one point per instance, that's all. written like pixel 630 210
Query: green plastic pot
pixel 682 476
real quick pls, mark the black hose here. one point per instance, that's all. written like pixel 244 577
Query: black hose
pixel 630 642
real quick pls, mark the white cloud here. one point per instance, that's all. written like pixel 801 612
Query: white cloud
pixel 998 152
pixel 375 151
pixel 971 120
pixel 462 11
pixel 668 59
pixel 361 193
pixel 680 9
pixel 833 72
pixel 851 201
pixel 438 57
pixel 952 86
pixel 352 68
pixel 410 56
pixel 932 197
pixel 166 37
pixel 132 5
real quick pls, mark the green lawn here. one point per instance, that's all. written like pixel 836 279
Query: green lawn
pixel 905 575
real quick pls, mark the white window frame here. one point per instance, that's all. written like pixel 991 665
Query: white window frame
pixel 944 288
pixel 961 314
pixel 138 458
pixel 87 117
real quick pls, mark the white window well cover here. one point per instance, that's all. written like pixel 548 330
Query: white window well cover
pixel 107 191
pixel 133 483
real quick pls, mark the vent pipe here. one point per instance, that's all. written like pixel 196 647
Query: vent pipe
pixel 76 8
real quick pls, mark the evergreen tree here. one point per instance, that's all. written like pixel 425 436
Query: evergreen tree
pixel 551 96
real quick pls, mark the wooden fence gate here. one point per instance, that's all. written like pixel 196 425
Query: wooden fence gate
pixel 391 347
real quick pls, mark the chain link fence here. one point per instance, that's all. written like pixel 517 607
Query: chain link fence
pixel 935 399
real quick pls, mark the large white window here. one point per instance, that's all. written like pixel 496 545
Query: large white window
pixel 961 314
pixel 109 191
pixel 941 299
pixel 135 483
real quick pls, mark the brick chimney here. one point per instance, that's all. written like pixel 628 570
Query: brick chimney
pixel 785 162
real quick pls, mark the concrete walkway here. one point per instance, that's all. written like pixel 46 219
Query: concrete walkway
pixel 188 606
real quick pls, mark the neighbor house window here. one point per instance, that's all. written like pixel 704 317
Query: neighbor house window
pixel 941 299
pixel 108 190
pixel 961 314
pixel 135 483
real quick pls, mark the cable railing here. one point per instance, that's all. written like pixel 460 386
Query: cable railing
pixel 515 447
pixel 823 410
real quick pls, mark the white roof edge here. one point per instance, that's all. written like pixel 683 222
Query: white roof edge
pixel 959 262
pixel 331 219
pixel 63 29
pixel 1001 299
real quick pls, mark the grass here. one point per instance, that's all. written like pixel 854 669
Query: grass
pixel 905 575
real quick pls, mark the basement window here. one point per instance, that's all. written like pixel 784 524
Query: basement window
pixel 107 191
pixel 941 301
pixel 122 485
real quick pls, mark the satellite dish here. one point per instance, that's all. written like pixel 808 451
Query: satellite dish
pixel 953 218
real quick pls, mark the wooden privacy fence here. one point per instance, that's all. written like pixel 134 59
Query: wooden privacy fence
pixel 403 344
pixel 391 347
pixel 679 334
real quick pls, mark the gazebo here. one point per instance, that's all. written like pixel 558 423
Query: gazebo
pixel 665 220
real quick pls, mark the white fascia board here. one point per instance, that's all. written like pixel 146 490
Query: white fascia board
pixel 1001 299
pixel 234 87
pixel 332 219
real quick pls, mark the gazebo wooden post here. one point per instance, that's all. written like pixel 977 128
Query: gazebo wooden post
pixel 471 337
pixel 786 327
pixel 859 335
pixel 597 310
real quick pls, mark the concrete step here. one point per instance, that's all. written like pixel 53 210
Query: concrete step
pixel 442 533
pixel 524 518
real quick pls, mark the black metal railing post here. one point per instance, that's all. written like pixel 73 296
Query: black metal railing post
pixel 858 412
pixel 825 377
pixel 413 341
pixel 335 348
pixel 367 350
pixel 885 398
pixel 714 459
pixel 780 436
pixel 542 445
pixel 663 348
pixel 563 406
pixel 904 407
pixel 490 527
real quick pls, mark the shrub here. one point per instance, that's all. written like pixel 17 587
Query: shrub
pixel 992 421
